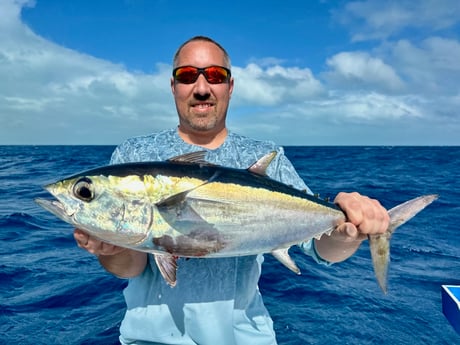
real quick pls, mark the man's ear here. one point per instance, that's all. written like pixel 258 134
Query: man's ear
pixel 231 82
pixel 173 86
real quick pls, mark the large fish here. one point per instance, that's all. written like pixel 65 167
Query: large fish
pixel 189 208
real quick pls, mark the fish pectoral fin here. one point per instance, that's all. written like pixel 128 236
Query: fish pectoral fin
pixel 198 237
pixel 167 265
pixel 205 195
pixel 282 256
pixel 173 200
pixel 178 199
pixel 260 167
pixel 178 213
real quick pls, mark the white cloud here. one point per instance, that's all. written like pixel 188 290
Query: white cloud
pixel 342 108
pixel 11 10
pixel 360 70
pixel 379 19
pixel 51 94
pixel 429 68
pixel 346 118
pixel 274 85
pixel 370 106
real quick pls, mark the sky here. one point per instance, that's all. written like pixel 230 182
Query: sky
pixel 375 72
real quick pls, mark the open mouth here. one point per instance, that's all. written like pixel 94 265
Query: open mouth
pixel 203 105
pixel 55 207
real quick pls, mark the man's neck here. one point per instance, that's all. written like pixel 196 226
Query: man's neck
pixel 204 139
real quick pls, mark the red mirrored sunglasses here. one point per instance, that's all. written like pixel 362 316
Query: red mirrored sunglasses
pixel 213 74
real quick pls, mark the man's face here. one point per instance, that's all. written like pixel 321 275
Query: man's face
pixel 202 107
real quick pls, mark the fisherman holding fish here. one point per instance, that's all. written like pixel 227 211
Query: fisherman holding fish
pixel 215 300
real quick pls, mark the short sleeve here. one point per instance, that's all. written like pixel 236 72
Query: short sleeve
pixel 308 247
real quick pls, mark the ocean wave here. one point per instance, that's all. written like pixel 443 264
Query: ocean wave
pixel 22 219
pixel 53 292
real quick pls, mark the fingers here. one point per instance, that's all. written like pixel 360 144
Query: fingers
pixel 348 232
pixel 81 238
pixel 93 245
pixel 110 249
pixel 85 241
pixel 366 214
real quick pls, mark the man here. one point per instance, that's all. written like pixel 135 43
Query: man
pixel 215 301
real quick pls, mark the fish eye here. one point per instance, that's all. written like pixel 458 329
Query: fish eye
pixel 83 189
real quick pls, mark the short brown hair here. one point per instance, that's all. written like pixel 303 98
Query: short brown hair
pixel 205 39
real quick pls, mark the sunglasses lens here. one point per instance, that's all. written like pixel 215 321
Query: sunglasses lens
pixel 186 75
pixel 216 75
pixel 213 74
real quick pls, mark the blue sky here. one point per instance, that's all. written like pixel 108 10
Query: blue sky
pixel 370 72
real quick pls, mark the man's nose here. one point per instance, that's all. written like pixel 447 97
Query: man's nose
pixel 202 87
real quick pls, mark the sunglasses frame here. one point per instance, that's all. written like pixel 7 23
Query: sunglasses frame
pixel 203 72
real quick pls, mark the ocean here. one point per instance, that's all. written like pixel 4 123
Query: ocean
pixel 53 292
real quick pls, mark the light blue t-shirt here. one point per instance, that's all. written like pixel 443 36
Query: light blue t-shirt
pixel 215 301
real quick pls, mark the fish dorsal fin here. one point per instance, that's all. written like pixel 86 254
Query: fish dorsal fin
pixel 197 157
pixel 167 265
pixel 260 167
pixel 282 256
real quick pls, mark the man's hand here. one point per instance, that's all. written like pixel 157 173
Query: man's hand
pixel 122 262
pixel 95 246
pixel 364 216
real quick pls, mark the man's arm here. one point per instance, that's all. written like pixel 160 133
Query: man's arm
pixel 365 217
pixel 122 262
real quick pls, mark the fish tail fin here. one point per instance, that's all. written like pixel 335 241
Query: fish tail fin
pixel 380 244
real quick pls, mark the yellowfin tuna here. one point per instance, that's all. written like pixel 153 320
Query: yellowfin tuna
pixel 189 208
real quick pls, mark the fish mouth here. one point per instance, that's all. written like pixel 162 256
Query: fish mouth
pixel 56 208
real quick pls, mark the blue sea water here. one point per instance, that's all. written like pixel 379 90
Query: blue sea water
pixel 52 292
